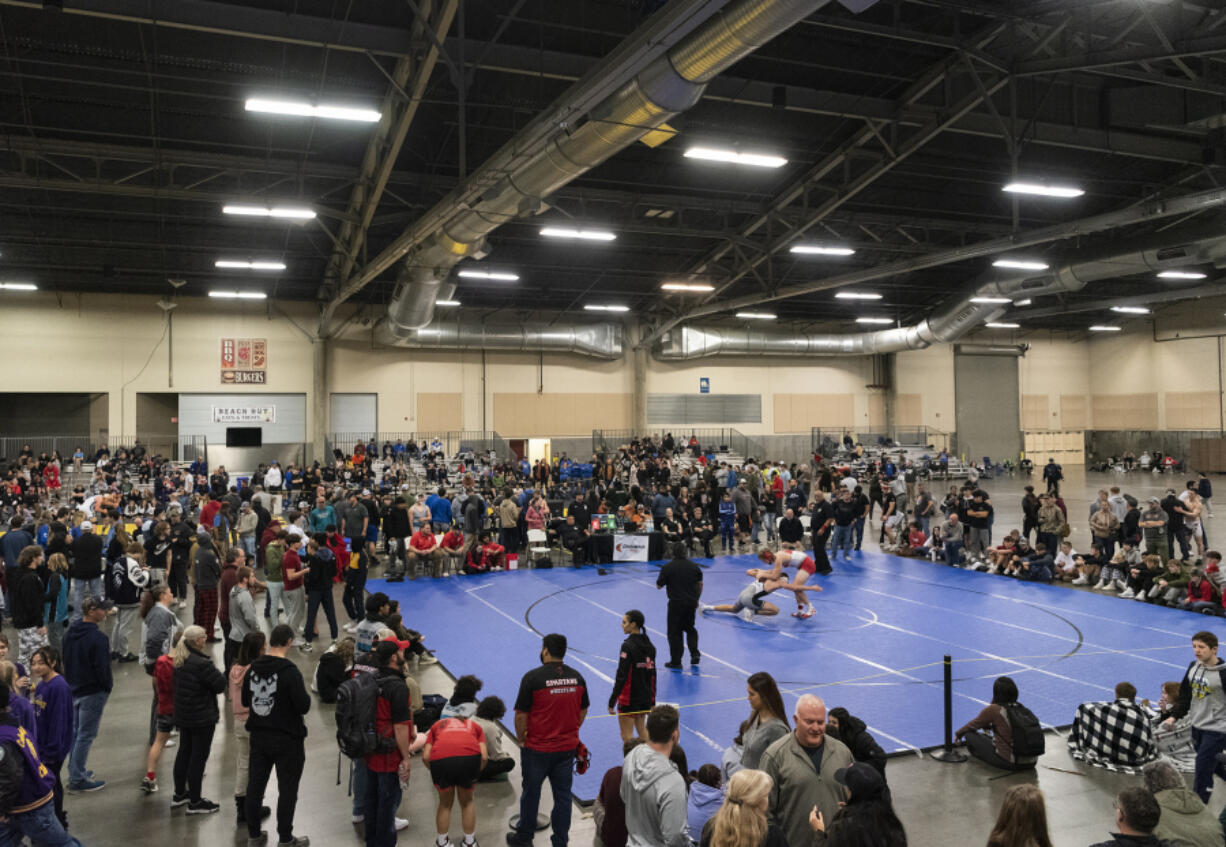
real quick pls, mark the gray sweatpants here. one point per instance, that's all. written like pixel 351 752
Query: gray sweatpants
pixel 977 540
pixel 125 618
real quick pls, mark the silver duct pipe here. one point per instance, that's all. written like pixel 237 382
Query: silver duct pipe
pixel 666 87
pixel 1175 248
pixel 600 341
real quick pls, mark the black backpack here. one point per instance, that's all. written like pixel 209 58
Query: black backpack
pixel 1028 740
pixel 430 712
pixel 12 773
pixel 356 708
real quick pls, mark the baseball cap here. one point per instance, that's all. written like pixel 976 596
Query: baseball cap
pixel 92 603
pixel 1154 500
pixel 862 780
pixel 365 492
pixel 87 526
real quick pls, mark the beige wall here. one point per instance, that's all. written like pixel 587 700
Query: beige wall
pixel 119 345
pixel 1054 378
pixel 116 345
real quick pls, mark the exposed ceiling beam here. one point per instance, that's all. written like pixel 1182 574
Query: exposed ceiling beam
pixel 664 29
pixel 1174 295
pixel 838 163
pixel 1187 48
pixel 383 149
pixel 239 21
pixel 1158 209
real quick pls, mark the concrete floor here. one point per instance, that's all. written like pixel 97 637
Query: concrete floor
pixel 939 803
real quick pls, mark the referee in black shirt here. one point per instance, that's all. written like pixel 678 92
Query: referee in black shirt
pixel 683 579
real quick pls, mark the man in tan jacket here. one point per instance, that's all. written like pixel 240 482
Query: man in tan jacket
pixel 802 765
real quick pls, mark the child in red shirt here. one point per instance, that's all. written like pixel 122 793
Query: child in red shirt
pixel 455 751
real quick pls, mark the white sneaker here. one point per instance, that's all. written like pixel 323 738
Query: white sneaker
pixel 705 608
pixel 747 615
pixel 350 627
pixel 1128 594
pixel 1101 586
pixel 1110 586
pixel 402 823
pixel 359 818
pixel 1120 585
pixel 1081 580
pixel 1141 597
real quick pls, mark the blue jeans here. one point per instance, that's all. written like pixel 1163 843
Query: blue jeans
pixel 382 801
pixel 859 532
pixel 314 600
pixel 86 716
pixel 953 552
pixel 40 825
pixel 842 540
pixel 82 588
pixel 1208 744
pixel 558 768
pixel 247 542
pixel 769 522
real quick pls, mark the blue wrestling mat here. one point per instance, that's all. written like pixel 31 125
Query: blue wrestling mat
pixel 875 646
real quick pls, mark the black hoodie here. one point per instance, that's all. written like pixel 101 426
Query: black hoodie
pixel 854 733
pixel 635 687
pixel 276 695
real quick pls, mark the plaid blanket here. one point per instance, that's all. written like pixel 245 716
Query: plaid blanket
pixel 1117 736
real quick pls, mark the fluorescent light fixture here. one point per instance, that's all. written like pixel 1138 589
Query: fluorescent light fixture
pixel 18 286
pixel 1041 190
pixel 856 295
pixel 446 302
pixel 699 287
pixel 504 277
pixel 874 321
pixel 991 300
pixel 1025 302
pixel 757 160
pixel 1020 265
pixel 310 110
pixel 818 250
pixel 1101 328
pixel 293 212
pixel 1182 275
pixel 251 266
pixel 757 316
pixel 582 234
pixel 604 308
pixel 999 325
pixel 239 295
pixel 1130 310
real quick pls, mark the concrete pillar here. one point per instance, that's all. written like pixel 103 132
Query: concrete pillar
pixel 318 424
pixel 638 395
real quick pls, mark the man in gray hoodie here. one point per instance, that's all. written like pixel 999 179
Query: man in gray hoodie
pixel 243 618
pixel 652 788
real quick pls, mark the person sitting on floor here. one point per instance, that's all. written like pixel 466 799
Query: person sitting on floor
pixel 484 556
pixel 1170 585
pixel 996 749
pixel 1184 818
pixel 1000 557
pixel 1115 572
pixel 853 732
pixel 1201 596
pixel 1090 567
pixel 1066 563
pixel 1116 735
pixel 1174 742
pixel 1035 567
pixel 1141 578
pixel 489 711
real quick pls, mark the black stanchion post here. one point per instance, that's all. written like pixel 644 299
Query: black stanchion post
pixel 947 753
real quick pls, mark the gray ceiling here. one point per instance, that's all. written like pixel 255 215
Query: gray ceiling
pixel 120 139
